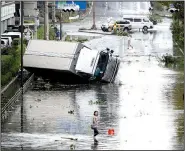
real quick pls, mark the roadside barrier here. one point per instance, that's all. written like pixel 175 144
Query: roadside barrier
pixel 15 97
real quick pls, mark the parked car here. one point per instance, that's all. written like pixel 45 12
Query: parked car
pixel 172 9
pixel 13 35
pixel 139 22
pixel 123 24
pixel 4 43
pixel 9 39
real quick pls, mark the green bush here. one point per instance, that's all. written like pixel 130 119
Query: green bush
pixel 10 64
pixel 155 17
pixel 28 21
pixel 158 6
pixel 122 33
pixel 67 38
pixel 40 33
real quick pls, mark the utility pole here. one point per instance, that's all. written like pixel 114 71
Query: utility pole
pixel 46 24
pixel 54 13
pixel 22 30
pixel 35 27
pixel 60 24
pixel 94 25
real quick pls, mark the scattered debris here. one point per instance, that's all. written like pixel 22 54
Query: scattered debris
pixel 120 83
pixel 99 102
pixel 71 112
pixel 74 139
pixel 38 100
pixel 72 147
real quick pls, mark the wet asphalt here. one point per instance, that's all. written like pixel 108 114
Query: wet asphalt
pixel 144 106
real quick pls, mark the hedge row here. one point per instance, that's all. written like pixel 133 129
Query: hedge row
pixel 40 33
pixel 10 64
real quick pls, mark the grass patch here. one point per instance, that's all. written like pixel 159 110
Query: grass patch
pixel 28 21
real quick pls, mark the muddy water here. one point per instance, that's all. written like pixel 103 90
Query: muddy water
pixel 144 106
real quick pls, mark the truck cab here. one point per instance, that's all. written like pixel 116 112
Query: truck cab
pixel 97 65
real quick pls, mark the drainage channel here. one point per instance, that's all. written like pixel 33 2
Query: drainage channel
pixel 12 100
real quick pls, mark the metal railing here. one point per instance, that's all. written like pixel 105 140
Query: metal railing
pixel 16 96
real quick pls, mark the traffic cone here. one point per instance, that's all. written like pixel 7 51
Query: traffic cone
pixel 111 132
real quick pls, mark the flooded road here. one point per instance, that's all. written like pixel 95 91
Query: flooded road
pixel 144 106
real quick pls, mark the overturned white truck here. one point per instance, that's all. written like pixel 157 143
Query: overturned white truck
pixel 69 62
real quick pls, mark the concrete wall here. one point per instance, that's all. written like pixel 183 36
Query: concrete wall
pixel 29 8
pixel 4 23
pixel 7 15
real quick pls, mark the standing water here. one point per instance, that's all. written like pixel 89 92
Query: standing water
pixel 144 106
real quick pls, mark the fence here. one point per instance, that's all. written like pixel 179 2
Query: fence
pixel 15 97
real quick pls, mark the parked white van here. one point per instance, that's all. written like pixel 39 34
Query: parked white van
pixel 13 35
pixel 139 22
pixel 4 43
pixel 9 40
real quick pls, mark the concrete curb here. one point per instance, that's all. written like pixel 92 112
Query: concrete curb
pixel 6 87
pixel 95 32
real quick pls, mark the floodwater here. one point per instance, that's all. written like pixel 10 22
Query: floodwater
pixel 144 106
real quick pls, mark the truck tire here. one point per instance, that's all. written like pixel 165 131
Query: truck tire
pixel 145 28
pixel 109 29
pixel 125 29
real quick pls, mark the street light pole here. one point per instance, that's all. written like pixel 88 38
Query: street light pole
pixel 35 26
pixel 46 29
pixel 60 24
pixel 54 12
pixel 22 30
pixel 94 25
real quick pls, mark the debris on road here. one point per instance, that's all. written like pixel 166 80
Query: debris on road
pixel 38 100
pixel 71 112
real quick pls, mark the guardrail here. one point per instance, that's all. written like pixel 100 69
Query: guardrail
pixel 15 97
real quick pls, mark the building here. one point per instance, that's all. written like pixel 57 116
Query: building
pixel 7 15
pixel 29 10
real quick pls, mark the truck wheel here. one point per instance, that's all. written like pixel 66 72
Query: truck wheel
pixel 126 30
pixel 103 29
pixel 145 29
pixel 109 29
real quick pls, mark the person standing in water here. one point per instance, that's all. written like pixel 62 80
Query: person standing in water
pixel 129 41
pixel 94 126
